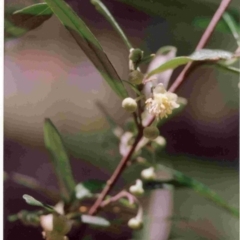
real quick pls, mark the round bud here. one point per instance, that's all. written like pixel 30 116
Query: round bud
pixel 129 104
pixel 137 189
pixel 136 55
pixel 135 223
pixel 151 132
pixel 135 77
pixel 148 174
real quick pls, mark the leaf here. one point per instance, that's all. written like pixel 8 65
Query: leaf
pixel 26 19
pixel 89 44
pixel 202 189
pixel 94 185
pixel 34 202
pixel 105 12
pixel 233 26
pixel 54 144
pixel 200 55
pixel 92 220
pixel 229 68
pixel 32 183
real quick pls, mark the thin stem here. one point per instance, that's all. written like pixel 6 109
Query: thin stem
pixel 115 176
pixel 205 37
pixel 105 12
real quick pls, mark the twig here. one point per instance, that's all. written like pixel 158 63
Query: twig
pixel 115 176
pixel 206 35
pixel 117 173
pixel 120 195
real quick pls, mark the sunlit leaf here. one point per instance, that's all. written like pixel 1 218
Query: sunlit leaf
pixel 92 220
pixel 34 202
pixel 82 192
pixel 200 55
pixel 54 144
pixel 88 43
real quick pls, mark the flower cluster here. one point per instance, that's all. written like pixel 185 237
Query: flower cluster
pixel 162 103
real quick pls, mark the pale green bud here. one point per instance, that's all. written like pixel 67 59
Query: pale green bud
pixel 136 55
pixel 135 77
pixel 129 104
pixel 135 223
pixel 151 132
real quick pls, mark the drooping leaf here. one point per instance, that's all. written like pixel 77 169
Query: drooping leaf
pixel 200 188
pixel 200 55
pixel 54 144
pixel 88 43
pixel 92 220
pixel 105 12
pixel 26 19
pixel 34 202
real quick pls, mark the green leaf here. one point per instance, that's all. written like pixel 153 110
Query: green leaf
pixel 233 26
pixel 26 19
pixel 54 144
pixel 229 68
pixel 34 202
pixel 89 44
pixel 200 188
pixel 27 218
pixel 200 55
pixel 105 12
pixel 32 183
pixel 94 186
pixel 92 220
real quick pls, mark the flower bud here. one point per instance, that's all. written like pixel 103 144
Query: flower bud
pixel 135 223
pixel 151 132
pixel 135 77
pixel 137 189
pixel 136 55
pixel 148 174
pixel 61 224
pixel 129 104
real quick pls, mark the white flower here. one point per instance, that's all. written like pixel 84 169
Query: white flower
pixel 148 174
pixel 137 188
pixel 162 103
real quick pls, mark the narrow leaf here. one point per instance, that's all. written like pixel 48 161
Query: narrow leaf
pixel 54 144
pixel 26 19
pixel 200 55
pixel 34 202
pixel 202 189
pixel 88 43
pixel 33 184
pixel 233 26
pixel 99 221
pixel 105 12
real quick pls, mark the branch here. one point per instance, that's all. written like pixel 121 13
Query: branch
pixel 120 168
pixel 205 37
